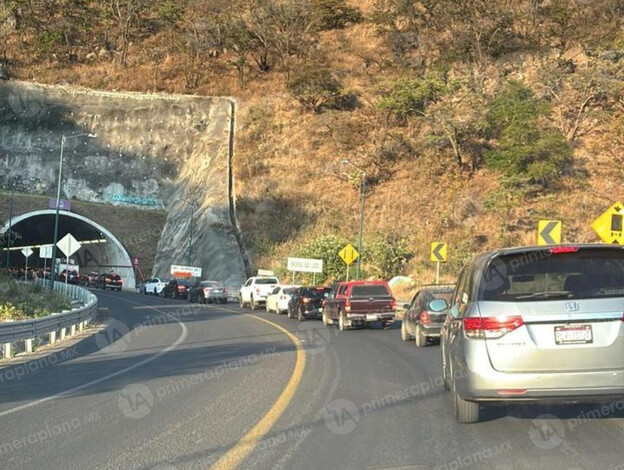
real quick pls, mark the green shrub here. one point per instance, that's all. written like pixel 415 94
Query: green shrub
pixel 47 42
pixel 410 96
pixel 334 14
pixel 526 154
pixel 315 89
pixel 386 255
pixel 326 247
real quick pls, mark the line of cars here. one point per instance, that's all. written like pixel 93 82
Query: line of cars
pixel 193 291
pixel 521 325
pixel 348 304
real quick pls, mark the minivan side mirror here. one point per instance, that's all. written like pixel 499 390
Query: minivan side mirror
pixel 437 305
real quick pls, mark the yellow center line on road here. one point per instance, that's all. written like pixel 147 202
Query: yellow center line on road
pixel 241 450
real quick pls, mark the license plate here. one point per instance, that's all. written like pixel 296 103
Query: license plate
pixel 573 334
pixel 370 317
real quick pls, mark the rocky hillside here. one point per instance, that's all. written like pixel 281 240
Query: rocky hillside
pixel 469 120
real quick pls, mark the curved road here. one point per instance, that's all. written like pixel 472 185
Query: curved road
pixel 170 386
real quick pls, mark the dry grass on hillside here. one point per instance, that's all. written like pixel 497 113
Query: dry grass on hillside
pixel 292 188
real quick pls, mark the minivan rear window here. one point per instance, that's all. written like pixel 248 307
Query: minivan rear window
pixel 374 290
pixel 267 280
pixel 588 273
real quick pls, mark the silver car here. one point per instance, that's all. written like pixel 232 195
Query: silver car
pixel 536 324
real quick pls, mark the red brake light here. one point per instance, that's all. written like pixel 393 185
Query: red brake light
pixel 563 249
pixel 425 318
pixel 393 304
pixel 305 300
pixel 491 327
pixel 348 305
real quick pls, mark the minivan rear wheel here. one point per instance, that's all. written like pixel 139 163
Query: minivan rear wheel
pixel 466 412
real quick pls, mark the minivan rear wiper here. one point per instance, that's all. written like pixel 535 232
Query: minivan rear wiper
pixel 546 295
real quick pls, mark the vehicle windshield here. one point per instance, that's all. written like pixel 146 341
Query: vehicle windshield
pixel 290 290
pixel 373 290
pixel 267 280
pixel 540 275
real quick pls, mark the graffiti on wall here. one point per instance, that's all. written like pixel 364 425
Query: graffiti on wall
pixel 135 200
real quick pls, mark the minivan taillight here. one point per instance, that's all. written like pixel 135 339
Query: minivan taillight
pixel 393 304
pixel 425 318
pixel 491 327
pixel 348 305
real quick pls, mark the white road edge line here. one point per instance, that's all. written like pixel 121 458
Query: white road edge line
pixel 107 377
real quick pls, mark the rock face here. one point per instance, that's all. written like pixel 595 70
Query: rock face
pixel 150 151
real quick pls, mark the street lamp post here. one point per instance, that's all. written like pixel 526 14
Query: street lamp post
pixel 58 206
pixel 8 252
pixel 362 193
pixel 190 237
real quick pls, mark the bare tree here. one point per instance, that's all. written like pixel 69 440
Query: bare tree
pixel 127 15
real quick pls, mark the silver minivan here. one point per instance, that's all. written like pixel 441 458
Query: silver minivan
pixel 536 324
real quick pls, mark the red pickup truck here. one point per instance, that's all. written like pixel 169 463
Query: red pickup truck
pixel 358 303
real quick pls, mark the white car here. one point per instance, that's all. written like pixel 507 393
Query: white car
pixel 277 301
pixel 256 290
pixel 155 286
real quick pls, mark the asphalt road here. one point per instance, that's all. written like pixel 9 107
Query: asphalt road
pixel 169 386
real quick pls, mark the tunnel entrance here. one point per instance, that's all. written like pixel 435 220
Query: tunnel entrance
pixel 101 251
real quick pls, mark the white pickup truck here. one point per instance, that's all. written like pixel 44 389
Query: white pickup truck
pixel 256 290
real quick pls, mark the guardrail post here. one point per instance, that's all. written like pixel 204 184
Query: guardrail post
pixel 52 337
pixel 63 333
pixel 72 330
pixel 6 350
pixel 81 326
pixel 28 345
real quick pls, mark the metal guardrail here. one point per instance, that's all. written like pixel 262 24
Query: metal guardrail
pixel 26 329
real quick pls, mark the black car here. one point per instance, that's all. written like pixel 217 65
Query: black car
pixel 307 302
pixel 72 278
pixel 423 319
pixel 109 281
pixel 177 289
pixel 208 292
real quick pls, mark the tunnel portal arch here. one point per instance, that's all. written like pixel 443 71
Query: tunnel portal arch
pixel 37 228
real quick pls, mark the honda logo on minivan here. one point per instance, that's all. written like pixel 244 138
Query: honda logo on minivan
pixel 571 306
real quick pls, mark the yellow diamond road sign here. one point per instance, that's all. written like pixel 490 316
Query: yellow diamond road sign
pixel 609 225
pixel 348 254
pixel 438 251
pixel 549 232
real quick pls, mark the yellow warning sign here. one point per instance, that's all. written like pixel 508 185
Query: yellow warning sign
pixel 549 232
pixel 609 225
pixel 348 254
pixel 438 251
